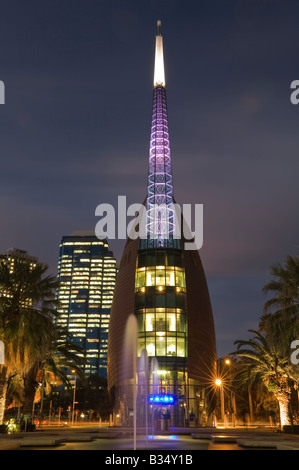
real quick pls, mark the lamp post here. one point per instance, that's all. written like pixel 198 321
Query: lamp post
pixel 74 397
pixel 220 384
pixel 232 395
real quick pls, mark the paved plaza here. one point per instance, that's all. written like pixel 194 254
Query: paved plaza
pixel 122 439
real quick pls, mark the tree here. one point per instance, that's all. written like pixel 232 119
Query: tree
pixel 264 362
pixel 252 396
pixel 27 301
pixel 93 395
pixel 54 356
pixel 285 287
pixel 280 321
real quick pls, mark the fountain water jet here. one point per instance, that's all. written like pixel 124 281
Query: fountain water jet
pixel 140 375
pixel 143 380
pixel 155 384
pixel 130 362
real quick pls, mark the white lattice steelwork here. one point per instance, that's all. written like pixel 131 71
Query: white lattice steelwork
pixel 160 217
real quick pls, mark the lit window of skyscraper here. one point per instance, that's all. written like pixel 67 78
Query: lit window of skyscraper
pixel 87 274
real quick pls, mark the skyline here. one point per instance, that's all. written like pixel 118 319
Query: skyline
pixel 75 131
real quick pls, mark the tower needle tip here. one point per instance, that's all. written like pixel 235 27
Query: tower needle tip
pixel 159 27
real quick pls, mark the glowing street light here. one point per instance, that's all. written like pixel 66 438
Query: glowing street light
pixel 219 383
pixel 232 395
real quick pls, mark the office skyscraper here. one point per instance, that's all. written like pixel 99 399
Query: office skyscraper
pixel 87 274
pixel 13 255
pixel 164 285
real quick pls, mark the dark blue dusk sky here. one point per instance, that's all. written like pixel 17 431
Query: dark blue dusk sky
pixel 74 131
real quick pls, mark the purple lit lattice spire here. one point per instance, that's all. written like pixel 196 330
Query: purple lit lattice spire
pixel 160 218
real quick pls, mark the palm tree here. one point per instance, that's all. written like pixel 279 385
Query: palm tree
pixel 285 287
pixel 264 362
pixel 27 301
pixel 53 357
pixel 280 321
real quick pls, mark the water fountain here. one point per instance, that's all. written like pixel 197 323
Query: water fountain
pixel 155 384
pixel 140 383
pixel 139 372
pixel 130 364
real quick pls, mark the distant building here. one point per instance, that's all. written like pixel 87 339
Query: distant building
pixel 87 274
pixel 15 254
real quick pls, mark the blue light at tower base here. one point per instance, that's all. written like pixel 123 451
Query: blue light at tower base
pixel 164 399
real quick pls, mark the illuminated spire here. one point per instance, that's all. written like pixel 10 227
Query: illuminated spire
pixel 160 218
pixel 159 74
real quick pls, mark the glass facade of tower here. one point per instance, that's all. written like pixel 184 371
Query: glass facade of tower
pixel 160 308
pixel 160 305
pixel 87 274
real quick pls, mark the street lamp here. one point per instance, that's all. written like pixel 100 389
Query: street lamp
pixel 219 383
pixel 74 397
pixel 232 395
